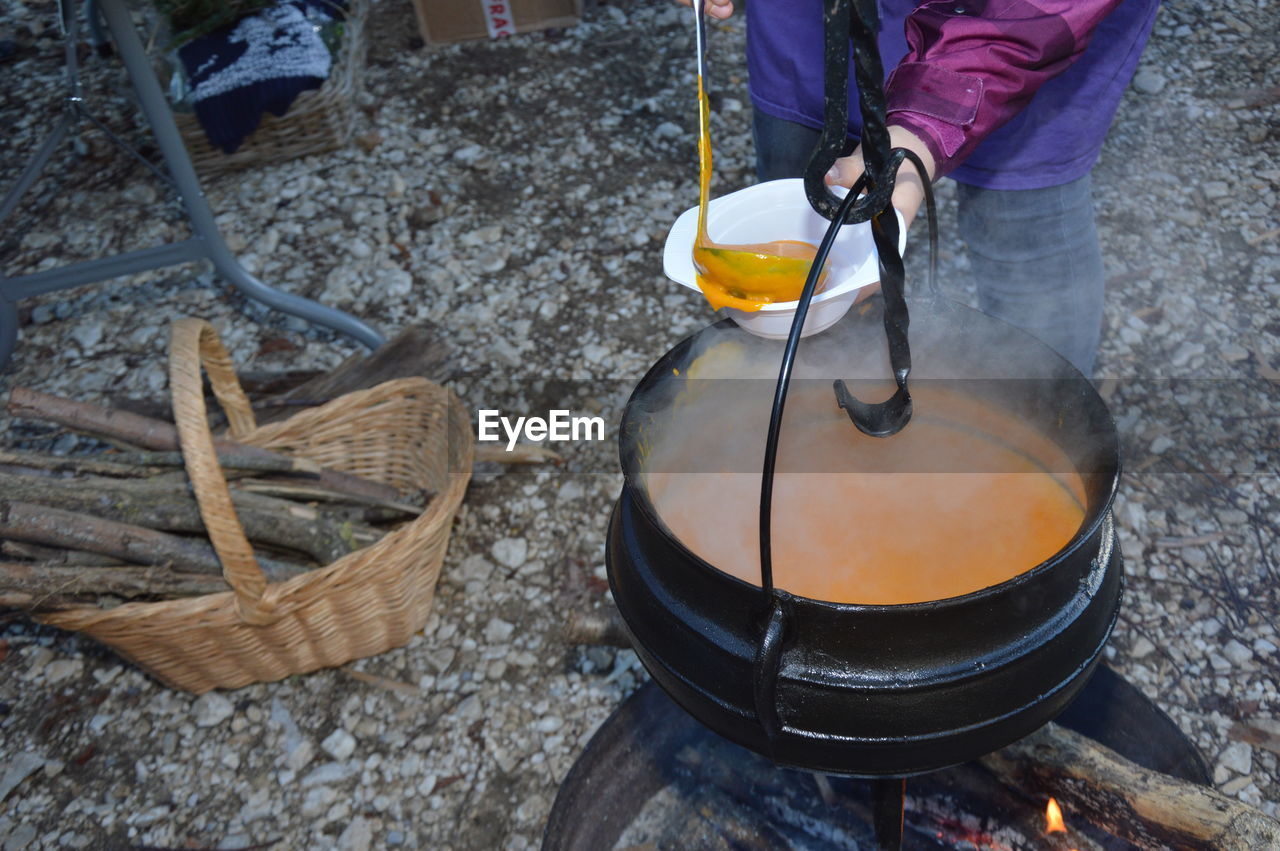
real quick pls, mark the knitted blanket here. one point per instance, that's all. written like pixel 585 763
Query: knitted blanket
pixel 260 64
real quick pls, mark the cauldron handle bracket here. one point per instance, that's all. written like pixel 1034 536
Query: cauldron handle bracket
pixel 768 662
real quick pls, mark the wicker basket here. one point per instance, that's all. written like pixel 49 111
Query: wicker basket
pixel 319 120
pixel 409 433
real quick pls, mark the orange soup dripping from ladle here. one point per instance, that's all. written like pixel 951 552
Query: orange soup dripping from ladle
pixel 745 277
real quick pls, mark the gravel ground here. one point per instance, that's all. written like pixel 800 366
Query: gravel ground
pixel 516 194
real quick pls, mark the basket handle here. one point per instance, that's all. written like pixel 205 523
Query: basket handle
pixel 193 343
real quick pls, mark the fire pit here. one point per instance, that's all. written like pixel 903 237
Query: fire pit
pixel 653 777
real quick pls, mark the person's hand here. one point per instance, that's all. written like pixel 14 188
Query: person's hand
pixel 908 190
pixel 718 9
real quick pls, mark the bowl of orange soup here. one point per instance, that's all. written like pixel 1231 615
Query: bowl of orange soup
pixel 774 211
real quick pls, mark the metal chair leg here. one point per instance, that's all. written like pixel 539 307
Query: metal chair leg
pixel 156 110
pixel 32 170
pixel 207 242
pixel 97 36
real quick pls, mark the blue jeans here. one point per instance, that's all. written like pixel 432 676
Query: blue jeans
pixel 1033 253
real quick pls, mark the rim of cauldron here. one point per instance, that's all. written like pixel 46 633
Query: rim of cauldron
pixel 1087 531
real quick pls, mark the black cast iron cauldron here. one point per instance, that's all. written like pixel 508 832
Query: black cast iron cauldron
pixel 879 690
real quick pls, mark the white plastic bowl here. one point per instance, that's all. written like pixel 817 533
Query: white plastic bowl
pixel 771 211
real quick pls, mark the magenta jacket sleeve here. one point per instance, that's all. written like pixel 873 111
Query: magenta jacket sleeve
pixel 966 73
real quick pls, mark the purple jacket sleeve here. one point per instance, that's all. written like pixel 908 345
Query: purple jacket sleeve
pixel 966 72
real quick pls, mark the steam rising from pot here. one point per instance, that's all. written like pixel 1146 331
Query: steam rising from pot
pixel 973 492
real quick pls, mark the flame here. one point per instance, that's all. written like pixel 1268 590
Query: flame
pixel 1053 817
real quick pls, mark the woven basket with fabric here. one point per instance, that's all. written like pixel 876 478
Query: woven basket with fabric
pixel 319 120
pixel 409 433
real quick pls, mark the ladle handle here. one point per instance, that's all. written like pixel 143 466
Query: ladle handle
pixel 700 39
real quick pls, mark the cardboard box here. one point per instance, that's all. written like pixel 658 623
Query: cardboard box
pixel 444 21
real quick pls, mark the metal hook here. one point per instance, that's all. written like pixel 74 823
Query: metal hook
pixel 840 27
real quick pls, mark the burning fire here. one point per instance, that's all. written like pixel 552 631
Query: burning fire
pixel 1053 817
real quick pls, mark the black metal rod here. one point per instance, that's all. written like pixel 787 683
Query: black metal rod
pixel 855 25
pixel 931 218
pixel 857 21
pixel 835 110
pixel 888 800
pixel 780 394
pixel 868 74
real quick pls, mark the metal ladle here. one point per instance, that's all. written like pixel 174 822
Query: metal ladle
pixel 774 267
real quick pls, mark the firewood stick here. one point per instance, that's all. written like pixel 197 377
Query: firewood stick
pixel 96 466
pixel 401 688
pixel 140 465
pixel 300 489
pixel 306 493
pixel 55 555
pixel 325 536
pixel 161 436
pixel 53 527
pixel 375 514
pixel 95 419
pixel 1147 808
pixel 54 586
pixel 417 350
pixel 228 460
pixel 979 790
pixel 1256 734
pixel 260 384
